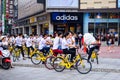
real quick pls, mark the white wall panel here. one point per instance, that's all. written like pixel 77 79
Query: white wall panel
pixel 28 7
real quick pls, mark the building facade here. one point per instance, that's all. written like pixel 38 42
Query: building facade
pixel 101 17
pixel 94 16
pixel 0 19
pixel 7 15
pixel 27 16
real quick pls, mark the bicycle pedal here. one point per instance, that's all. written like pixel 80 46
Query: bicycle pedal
pixel 92 60
pixel 72 68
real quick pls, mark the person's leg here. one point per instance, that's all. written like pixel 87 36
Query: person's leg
pixel 46 50
pixel 73 53
pixel 90 53
pixel 57 51
pixel 28 51
pixel 80 43
pixel 65 51
pixel 32 48
pixel 22 52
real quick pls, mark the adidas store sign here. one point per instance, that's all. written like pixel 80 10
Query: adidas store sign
pixel 67 17
pixel 62 17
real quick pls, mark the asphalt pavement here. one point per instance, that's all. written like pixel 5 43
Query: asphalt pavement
pixel 31 73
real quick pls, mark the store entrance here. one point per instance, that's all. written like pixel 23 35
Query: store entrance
pixel 103 29
pixel 60 28
pixel 27 30
pixel 44 29
pixel 34 30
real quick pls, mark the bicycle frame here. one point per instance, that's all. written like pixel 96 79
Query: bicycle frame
pixel 42 57
pixel 69 64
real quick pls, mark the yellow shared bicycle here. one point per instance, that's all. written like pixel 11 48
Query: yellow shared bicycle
pixel 16 53
pixel 79 63
pixel 95 56
pixel 38 57
pixel 31 51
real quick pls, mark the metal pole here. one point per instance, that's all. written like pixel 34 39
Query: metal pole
pixel 4 16
pixel 94 23
pixel 107 21
pixel 118 30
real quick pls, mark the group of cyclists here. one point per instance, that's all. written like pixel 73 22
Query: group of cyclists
pixel 60 43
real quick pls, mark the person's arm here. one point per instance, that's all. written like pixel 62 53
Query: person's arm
pixel 14 41
pixel 70 45
pixel 96 43
pixel 0 43
pixel 49 43
pixel 72 39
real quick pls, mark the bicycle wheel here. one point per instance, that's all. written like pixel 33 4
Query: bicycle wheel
pixel 59 64
pixel 83 66
pixel 49 62
pixel 35 58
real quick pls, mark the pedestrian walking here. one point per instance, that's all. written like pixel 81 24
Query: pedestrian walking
pixel 111 42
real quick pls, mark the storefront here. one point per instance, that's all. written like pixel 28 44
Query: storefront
pixel 34 29
pixel 26 30
pixel 64 21
pixel 43 22
pixel 102 23
pixel 33 25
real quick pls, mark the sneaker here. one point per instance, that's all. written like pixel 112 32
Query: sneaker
pixel 43 62
pixel 88 61
pixel 24 58
pixel 28 57
pixel 12 67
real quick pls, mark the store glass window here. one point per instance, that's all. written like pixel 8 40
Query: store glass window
pixel 104 15
pixel 91 28
pixel 119 15
pixel 101 15
pixel 113 27
pixel 91 16
pixel 113 15
pixel 98 15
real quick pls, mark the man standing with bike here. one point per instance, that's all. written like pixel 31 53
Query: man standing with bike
pixel 29 43
pixel 18 44
pixel 90 41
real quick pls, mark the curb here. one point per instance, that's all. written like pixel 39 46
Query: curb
pixel 106 70
pixel 29 65
pixel 93 69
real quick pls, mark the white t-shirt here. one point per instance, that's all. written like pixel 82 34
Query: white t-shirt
pixel 48 39
pixel 25 40
pixel 29 42
pixel 5 43
pixel 64 44
pixel 88 39
pixel 56 43
pixel 12 39
pixel 42 43
pixel 39 39
pixel 18 41
pixel 70 41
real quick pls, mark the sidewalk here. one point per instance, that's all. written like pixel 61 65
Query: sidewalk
pixel 115 54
